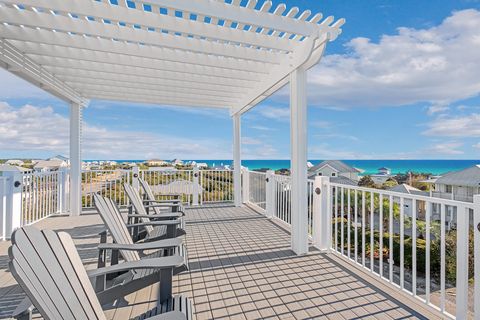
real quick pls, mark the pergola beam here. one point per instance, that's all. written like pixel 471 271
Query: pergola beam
pixel 157 65
pixel 16 62
pixel 79 27
pixel 145 19
pixel 159 102
pixel 147 74
pixel 160 93
pixel 245 16
pixel 169 57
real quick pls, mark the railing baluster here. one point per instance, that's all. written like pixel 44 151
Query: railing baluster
pixel 342 212
pixel 380 235
pixel 463 224
pixel 363 227
pixel 476 253
pixel 336 219
pixel 428 210
pixel 402 242
pixel 356 226
pixel 348 223
pixel 442 257
pixel 372 230
pixel 414 247
pixel 390 245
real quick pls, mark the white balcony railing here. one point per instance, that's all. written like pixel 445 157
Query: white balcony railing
pixel 426 247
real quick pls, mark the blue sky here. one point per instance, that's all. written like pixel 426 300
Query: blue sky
pixel 402 81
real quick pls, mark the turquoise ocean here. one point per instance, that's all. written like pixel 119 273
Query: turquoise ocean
pixel 436 167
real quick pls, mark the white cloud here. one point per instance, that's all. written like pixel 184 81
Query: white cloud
pixel 476 146
pixel 34 129
pixel 14 87
pixel 460 126
pixel 336 136
pixel 437 108
pixel 448 148
pixel 439 65
pixel 275 113
pixel 262 128
pixel 250 141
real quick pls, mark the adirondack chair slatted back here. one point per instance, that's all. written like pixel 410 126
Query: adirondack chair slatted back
pixel 137 203
pixel 48 268
pixel 113 219
pixel 149 193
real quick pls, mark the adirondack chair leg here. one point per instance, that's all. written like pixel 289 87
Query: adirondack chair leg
pixel 166 277
pixel 113 260
pixel 100 281
pixel 171 231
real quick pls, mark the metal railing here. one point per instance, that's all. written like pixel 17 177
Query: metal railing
pixel 257 188
pixel 41 196
pixel 409 242
pixel 216 186
pixel 108 183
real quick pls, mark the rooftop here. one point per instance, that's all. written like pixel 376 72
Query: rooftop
pixel 469 177
pixel 242 267
pixel 338 165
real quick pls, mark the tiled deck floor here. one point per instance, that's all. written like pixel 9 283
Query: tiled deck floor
pixel 241 267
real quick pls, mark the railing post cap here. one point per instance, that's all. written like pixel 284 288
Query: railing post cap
pixel 322 179
pixel 476 198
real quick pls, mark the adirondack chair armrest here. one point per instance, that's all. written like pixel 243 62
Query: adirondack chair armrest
pixel 160 244
pixel 162 205
pixel 173 201
pixel 154 223
pixel 168 215
pixel 24 310
pixel 170 262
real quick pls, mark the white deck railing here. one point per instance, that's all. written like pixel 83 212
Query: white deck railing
pixel 195 186
pixel 426 247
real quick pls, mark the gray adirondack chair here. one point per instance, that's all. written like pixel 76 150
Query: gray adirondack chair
pixel 165 226
pixel 175 203
pixel 47 266
pixel 118 230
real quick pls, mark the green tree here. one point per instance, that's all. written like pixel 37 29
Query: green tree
pixel 389 183
pixel 366 181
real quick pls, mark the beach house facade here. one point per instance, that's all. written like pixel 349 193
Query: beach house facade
pixel 458 185
pixel 338 171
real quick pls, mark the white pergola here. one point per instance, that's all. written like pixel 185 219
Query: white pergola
pixel 195 53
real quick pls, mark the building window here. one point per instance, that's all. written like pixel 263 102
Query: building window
pixel 448 189
pixel 333 174
pixel 319 173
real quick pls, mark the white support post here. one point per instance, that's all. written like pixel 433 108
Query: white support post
pixel 463 224
pixel 270 194
pixel 12 202
pixel 75 160
pixel 135 176
pixel 196 186
pixel 237 164
pixel 476 252
pixel 245 185
pixel 63 190
pixel 298 142
pixel 322 215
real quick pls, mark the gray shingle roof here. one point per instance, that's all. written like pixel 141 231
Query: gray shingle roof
pixel 343 180
pixel 469 177
pixel 335 164
pixel 405 188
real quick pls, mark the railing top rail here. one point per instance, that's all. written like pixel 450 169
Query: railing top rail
pixel 468 205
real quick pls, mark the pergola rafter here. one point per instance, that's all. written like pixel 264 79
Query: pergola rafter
pixel 229 54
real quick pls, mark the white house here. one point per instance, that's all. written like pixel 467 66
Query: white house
pixel 177 162
pixel 156 163
pixel 338 171
pixel 408 203
pixel 458 185
pixel 59 158
pixel 14 162
pixel 381 176
pixel 49 165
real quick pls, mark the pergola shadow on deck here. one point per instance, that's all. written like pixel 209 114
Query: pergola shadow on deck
pixel 241 267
